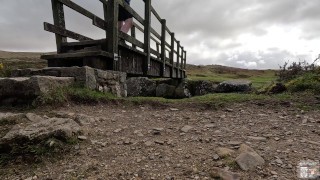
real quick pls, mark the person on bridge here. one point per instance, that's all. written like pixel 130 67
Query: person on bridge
pixel 125 19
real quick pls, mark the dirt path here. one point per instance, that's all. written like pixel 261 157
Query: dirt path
pixel 147 143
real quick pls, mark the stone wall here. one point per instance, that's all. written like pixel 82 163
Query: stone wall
pixel 95 79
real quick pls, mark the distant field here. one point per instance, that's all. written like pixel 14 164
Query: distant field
pixel 219 73
pixel 216 73
pixel 15 60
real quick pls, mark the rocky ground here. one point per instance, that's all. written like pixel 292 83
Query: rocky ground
pixel 176 142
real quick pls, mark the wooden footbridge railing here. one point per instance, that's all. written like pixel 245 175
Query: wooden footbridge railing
pixel 139 59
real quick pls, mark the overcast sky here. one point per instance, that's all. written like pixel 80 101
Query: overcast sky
pixel 257 34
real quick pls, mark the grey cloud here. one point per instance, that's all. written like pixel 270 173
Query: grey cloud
pixel 209 23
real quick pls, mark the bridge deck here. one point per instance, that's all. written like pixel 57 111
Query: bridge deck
pixel 134 57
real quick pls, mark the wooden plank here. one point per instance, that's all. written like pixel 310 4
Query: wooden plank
pixel 85 43
pixel 77 55
pixel 131 39
pixel 64 32
pixel 163 46
pixel 185 60
pixel 147 35
pixel 83 11
pixel 133 34
pixel 182 59
pixel 172 55
pixel 59 20
pixel 131 11
pixel 138 27
pixel 155 14
pixel 112 13
pixel 154 32
pixel 178 57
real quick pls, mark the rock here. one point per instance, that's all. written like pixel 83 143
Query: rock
pixel 11 118
pixel 21 90
pixel 33 117
pixel 141 86
pixel 248 159
pixel 174 109
pixel 200 88
pixel 278 88
pixel 234 143
pixel 117 130
pixel 148 143
pixel 215 156
pixel 159 142
pixel 165 90
pixel 218 173
pixel 234 86
pixel 182 90
pixel 62 129
pixel 83 138
pixel 186 128
pixel 257 138
pixel 224 152
pixel 278 161
pixel 210 125
pixel 84 120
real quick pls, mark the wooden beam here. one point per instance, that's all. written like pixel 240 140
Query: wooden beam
pixel 77 55
pixel 163 47
pixel 185 60
pixel 178 58
pixel 131 39
pixel 133 34
pixel 59 21
pixel 182 57
pixel 147 35
pixel 83 11
pixel 131 11
pixel 64 32
pixel 111 15
pixel 172 55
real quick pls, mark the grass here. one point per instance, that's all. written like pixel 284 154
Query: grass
pixel 216 73
pixel 75 93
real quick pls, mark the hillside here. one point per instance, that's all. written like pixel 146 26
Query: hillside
pixel 220 73
pixel 216 73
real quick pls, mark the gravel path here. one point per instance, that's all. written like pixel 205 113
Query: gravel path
pixel 145 142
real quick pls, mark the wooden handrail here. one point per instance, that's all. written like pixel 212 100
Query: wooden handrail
pixel 177 54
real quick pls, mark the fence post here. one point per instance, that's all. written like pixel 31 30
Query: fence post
pixel 111 16
pixel 163 47
pixel 172 55
pixel 178 58
pixel 182 58
pixel 133 34
pixel 58 19
pixel 185 60
pixel 147 35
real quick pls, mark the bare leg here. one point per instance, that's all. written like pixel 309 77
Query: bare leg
pixel 127 25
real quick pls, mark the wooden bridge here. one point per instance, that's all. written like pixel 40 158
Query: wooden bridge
pixel 168 59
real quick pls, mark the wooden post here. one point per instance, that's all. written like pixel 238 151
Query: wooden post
pixel 158 50
pixel 111 16
pixel 58 19
pixel 182 59
pixel 163 47
pixel 147 35
pixel 172 55
pixel 133 34
pixel 185 60
pixel 178 57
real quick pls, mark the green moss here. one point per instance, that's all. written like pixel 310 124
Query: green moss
pixel 309 82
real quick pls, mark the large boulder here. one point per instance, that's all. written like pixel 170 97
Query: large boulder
pixel 234 86
pixel 165 90
pixel 16 90
pixel 200 88
pixel 248 159
pixel 141 86
pixel 59 128
pixel 182 90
